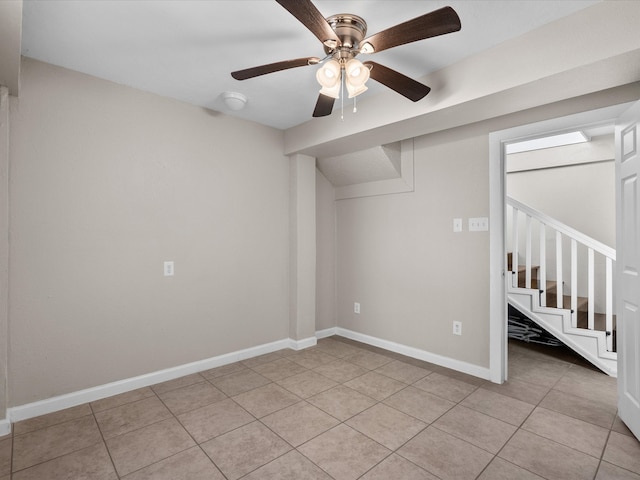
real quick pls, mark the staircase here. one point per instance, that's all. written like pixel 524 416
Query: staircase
pixel 538 289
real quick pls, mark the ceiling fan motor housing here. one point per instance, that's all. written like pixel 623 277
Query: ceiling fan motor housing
pixel 351 30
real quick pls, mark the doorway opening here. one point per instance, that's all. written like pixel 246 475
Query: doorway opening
pixel 498 207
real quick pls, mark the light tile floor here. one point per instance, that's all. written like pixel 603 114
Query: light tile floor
pixel 341 410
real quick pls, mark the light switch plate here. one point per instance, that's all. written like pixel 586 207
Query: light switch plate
pixel 168 269
pixel 479 224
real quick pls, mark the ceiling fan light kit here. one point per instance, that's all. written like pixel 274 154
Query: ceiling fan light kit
pixel 343 38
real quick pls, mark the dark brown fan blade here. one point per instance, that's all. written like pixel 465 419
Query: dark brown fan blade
pixel 438 22
pixel 273 67
pixel 324 106
pixel 402 84
pixel 310 17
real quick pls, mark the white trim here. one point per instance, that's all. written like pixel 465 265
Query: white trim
pixel 497 205
pixel 302 344
pixel 327 332
pixel 497 268
pixel 5 427
pixel 403 184
pixel 460 366
pixel 566 230
pixel 61 402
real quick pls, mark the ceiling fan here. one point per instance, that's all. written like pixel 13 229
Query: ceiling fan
pixel 343 38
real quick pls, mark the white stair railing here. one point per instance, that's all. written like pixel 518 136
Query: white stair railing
pixel 524 218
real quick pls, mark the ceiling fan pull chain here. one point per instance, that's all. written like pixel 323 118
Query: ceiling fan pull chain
pixel 355 107
pixel 342 97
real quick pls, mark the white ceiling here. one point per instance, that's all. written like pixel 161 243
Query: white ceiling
pixel 187 49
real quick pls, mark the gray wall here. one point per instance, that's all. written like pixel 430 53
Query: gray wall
pixel 107 182
pixel 325 253
pixel 399 258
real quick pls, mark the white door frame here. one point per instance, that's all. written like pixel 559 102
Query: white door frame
pixel 497 211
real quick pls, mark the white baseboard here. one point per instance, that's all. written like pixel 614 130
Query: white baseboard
pixel 458 365
pixel 5 427
pixel 61 402
pixel 304 343
pixel 327 332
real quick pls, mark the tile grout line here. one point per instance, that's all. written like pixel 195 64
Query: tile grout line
pixel 104 442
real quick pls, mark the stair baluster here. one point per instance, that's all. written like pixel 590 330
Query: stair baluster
pixel 580 313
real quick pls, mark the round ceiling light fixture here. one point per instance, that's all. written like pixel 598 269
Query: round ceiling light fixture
pixel 234 100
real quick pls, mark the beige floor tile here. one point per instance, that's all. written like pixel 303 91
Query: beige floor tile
pixel 524 391
pixel 279 369
pixel 89 463
pixel 221 417
pixel 340 370
pixel 265 400
pixel 547 458
pixel 386 425
pixel 403 372
pixel 375 385
pixel 500 469
pixel 131 416
pixel 577 407
pixel 299 423
pixel 191 397
pixel 335 347
pixel 476 428
pixel 311 358
pixel 191 464
pixel 140 448
pixel 239 382
pixel 342 402
pixel 177 383
pixel 50 419
pixel 588 384
pixel 245 449
pixel 620 427
pixel 606 471
pixel 463 377
pixel 223 370
pixel 307 384
pixel 260 359
pixel 344 453
pixel 45 444
pixel 445 456
pixel 623 451
pixel 582 436
pixel 498 406
pixel 539 372
pixel 396 467
pixel 290 466
pixel 445 387
pixel 420 404
pixel 121 399
pixel 367 359
pixel 6 445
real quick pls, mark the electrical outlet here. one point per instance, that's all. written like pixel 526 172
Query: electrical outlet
pixel 356 307
pixel 168 269
pixel 457 328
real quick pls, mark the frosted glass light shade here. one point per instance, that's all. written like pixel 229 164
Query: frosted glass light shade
pixel 328 74
pixel 356 75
